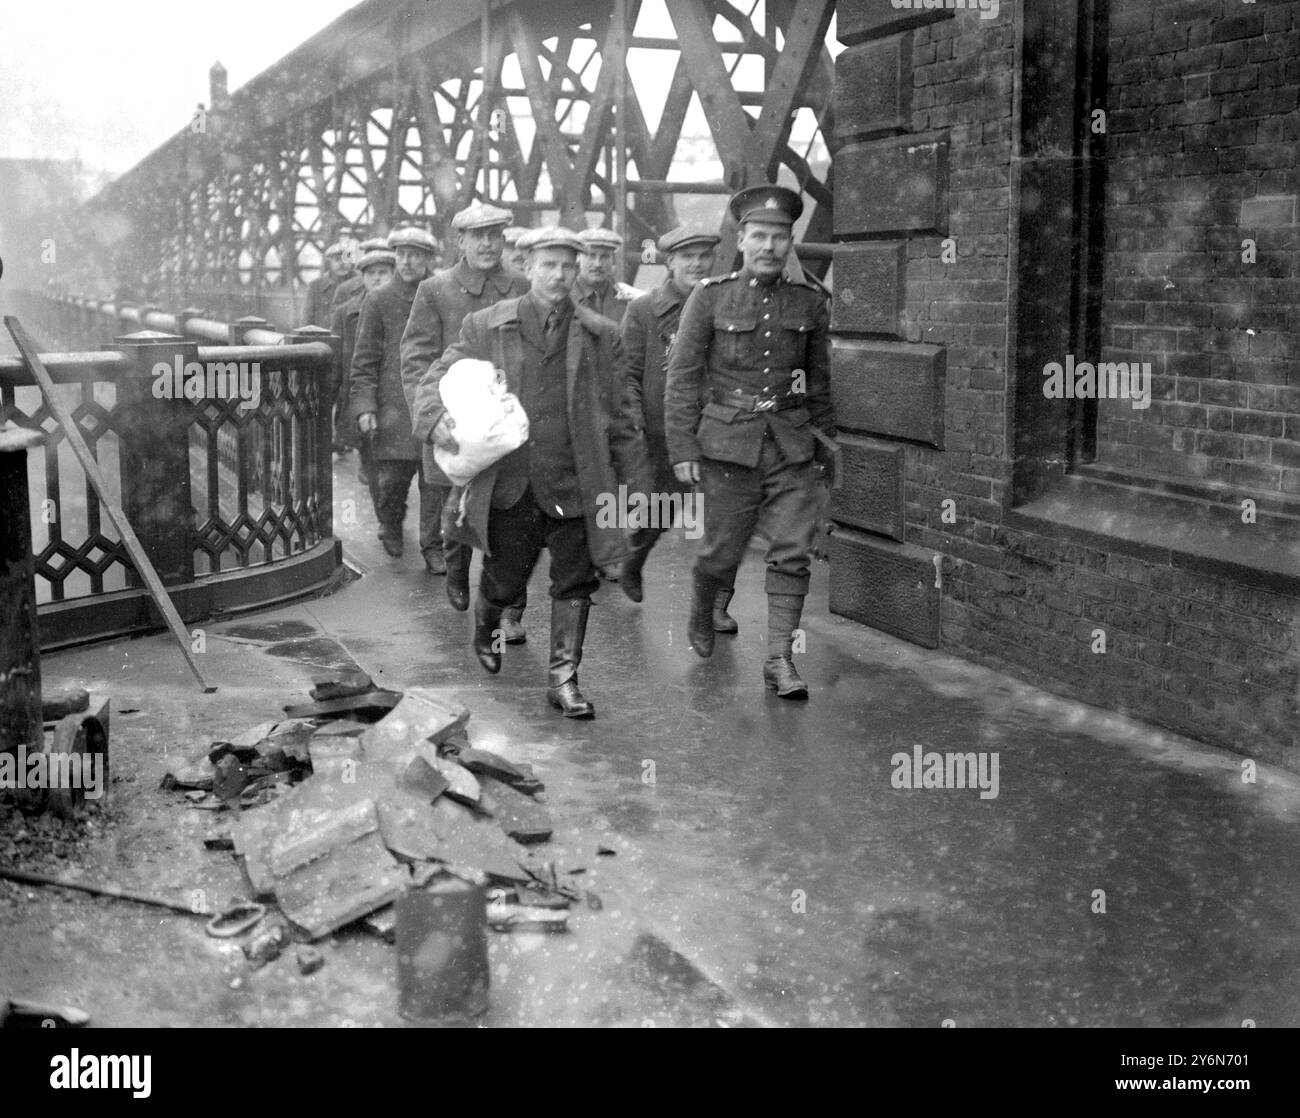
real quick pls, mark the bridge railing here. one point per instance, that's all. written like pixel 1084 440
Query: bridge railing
pixel 219 455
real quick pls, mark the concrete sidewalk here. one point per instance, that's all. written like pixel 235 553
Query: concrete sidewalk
pixel 768 868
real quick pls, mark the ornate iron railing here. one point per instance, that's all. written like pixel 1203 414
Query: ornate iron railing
pixel 229 487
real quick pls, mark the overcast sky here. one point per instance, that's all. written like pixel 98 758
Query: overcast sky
pixel 110 80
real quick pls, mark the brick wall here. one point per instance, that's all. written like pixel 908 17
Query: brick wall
pixel 926 397
pixel 1204 152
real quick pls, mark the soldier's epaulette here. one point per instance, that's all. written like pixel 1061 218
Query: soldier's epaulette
pixel 708 281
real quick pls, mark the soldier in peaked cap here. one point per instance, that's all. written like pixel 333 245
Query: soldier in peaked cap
pixel 475 281
pixel 748 393
pixel 648 331
pixel 596 287
pixel 515 258
pixel 549 493
pixel 320 292
pixel 379 403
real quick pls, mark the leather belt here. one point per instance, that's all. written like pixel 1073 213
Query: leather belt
pixel 762 402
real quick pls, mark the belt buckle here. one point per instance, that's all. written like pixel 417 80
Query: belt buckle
pixel 765 403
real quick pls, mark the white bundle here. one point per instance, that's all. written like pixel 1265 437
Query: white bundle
pixel 489 422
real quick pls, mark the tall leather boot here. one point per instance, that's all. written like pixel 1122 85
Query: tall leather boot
pixel 568 630
pixel 723 622
pixel 457 556
pixel 699 630
pixel 642 542
pixel 779 675
pixel 487 634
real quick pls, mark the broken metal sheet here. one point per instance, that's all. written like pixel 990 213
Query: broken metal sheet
pixel 521 818
pixel 471 842
pixel 192 774
pixel 375 703
pixel 464 785
pixel 343 727
pixel 485 762
pixel 421 716
pixel 421 777
pixel 522 918
pixel 340 684
pixel 254 734
pixel 229 778
pixel 331 871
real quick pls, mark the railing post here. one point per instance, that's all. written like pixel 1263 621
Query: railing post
pixel 125 325
pixel 327 387
pixel 183 317
pixel 20 646
pixel 155 449
pixel 241 325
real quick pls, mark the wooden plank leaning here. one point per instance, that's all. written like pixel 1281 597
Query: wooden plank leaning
pixel 129 539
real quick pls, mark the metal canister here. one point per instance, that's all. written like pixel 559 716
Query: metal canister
pixel 442 964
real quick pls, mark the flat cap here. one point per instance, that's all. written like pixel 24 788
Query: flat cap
pixel 599 238
pixel 685 235
pixel 377 256
pixel 338 248
pixel 515 232
pixel 550 236
pixel 412 236
pixel 372 243
pixel 480 216
pixel 776 205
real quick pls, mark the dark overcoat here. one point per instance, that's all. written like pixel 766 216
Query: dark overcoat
pixel 607 448
pixel 648 331
pixel 377 369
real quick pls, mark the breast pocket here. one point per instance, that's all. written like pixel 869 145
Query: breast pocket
pixel 794 339
pixel 733 334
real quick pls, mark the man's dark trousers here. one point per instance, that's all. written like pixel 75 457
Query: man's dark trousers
pixel 516 537
pixel 390 481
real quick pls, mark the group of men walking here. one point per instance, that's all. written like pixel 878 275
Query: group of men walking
pixel 719 384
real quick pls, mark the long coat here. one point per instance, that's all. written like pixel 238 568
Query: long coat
pixel 607 448
pixel 343 324
pixel 611 300
pixel 648 331
pixel 320 294
pixel 441 304
pixel 377 368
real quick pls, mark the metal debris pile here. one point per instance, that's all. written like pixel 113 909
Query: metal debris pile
pixel 353 799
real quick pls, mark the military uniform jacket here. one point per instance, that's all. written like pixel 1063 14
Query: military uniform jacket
pixel 648 331
pixel 612 301
pixel 441 304
pixel 737 333
pixel 320 293
pixel 607 448
pixel 377 368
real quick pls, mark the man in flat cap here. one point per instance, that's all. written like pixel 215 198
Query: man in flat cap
pixel 379 402
pixel 320 292
pixel 596 288
pixel 648 331
pixel 349 288
pixel 376 267
pixel 515 258
pixel 477 280
pixel 757 346
pixel 548 493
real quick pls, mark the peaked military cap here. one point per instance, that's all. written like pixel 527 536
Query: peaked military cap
pixel 599 238
pixel 550 236
pixel 515 232
pixel 776 205
pixel 685 235
pixel 377 256
pixel 412 236
pixel 480 216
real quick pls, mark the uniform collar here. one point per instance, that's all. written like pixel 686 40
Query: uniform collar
pixel 752 280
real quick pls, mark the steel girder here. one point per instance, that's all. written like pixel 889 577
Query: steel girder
pixel 408 110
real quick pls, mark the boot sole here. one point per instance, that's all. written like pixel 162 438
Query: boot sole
pixel 789 693
pixel 489 666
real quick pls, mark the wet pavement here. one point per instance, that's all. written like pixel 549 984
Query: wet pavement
pixel 768 870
